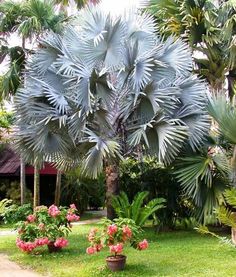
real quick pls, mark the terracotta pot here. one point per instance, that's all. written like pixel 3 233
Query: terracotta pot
pixel 52 248
pixel 116 263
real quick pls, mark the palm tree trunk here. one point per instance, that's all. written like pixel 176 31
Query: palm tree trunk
pixel 22 181
pixel 112 187
pixel 36 185
pixel 233 163
pixel 58 189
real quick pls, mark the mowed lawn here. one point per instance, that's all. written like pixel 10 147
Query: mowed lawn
pixel 180 253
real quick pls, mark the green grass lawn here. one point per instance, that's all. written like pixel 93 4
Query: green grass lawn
pixel 170 254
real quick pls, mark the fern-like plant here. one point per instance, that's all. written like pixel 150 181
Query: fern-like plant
pixel 137 210
pixel 226 216
pixel 4 204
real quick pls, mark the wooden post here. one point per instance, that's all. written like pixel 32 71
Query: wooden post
pixel 22 181
pixel 36 185
pixel 58 189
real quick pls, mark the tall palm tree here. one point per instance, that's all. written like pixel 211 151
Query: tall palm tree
pixel 108 87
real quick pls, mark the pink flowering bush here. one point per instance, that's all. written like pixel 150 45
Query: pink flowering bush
pixel 115 235
pixel 46 226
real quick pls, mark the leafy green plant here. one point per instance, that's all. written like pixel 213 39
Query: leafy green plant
pixel 149 175
pixel 4 205
pixel 11 190
pixel 137 210
pixel 15 213
pixel 83 191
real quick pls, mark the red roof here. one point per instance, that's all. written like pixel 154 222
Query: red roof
pixel 46 170
pixel 10 164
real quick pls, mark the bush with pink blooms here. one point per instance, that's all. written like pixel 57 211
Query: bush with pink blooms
pixel 115 235
pixel 46 226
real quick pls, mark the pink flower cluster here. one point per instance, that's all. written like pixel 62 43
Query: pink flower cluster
pixel 31 245
pixel 127 233
pixel 92 234
pixel 41 226
pixel 25 246
pixel 53 211
pixel 143 245
pixel 93 249
pixel 112 229
pixel 61 242
pixel 72 217
pixel 31 218
pixel 117 248
pixel 42 241
pixel 72 206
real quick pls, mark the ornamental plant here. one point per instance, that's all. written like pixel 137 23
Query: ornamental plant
pixel 115 235
pixel 46 226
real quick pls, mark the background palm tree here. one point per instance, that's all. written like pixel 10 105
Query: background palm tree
pixel 107 89
pixel 28 19
pixel 209 28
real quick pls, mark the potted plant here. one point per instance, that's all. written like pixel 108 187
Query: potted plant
pixel 115 235
pixel 46 226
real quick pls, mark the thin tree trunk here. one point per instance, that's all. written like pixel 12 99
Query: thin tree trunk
pixel 112 188
pixel 58 189
pixel 36 185
pixel 22 181
pixel 233 163
pixel 231 83
pixel 23 43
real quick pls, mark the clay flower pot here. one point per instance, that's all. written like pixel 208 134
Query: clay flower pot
pixel 52 248
pixel 116 263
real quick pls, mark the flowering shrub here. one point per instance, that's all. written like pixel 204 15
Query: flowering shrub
pixel 115 235
pixel 46 226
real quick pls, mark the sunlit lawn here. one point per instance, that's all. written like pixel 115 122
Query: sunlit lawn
pixel 170 254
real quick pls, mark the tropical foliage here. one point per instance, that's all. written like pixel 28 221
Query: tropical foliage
pixel 209 27
pixel 84 192
pixel 203 177
pixel 149 175
pixel 137 210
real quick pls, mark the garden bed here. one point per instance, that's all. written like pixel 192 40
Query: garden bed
pixel 170 254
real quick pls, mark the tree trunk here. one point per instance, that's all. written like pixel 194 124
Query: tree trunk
pixel 231 83
pixel 36 185
pixel 22 182
pixel 58 189
pixel 112 188
pixel 233 163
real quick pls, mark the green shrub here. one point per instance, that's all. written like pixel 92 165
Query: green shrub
pixel 15 213
pixel 138 211
pixel 11 190
pixel 149 175
pixel 84 192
